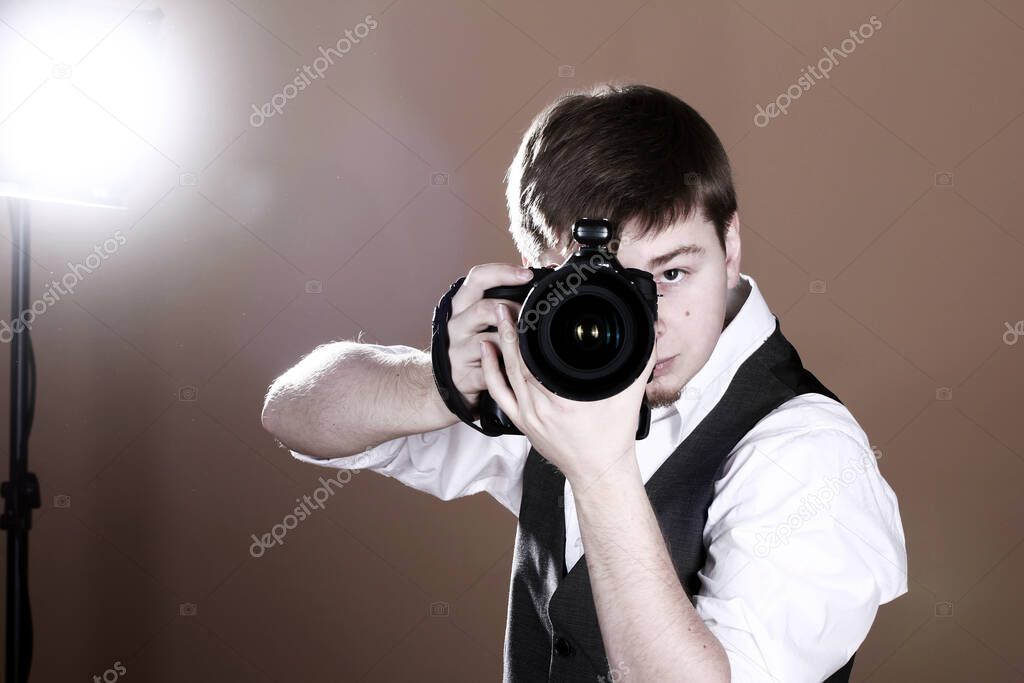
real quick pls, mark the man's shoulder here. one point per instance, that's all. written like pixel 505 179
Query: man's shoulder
pixel 810 448
pixel 809 425
pixel 805 414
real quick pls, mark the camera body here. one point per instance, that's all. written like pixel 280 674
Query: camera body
pixel 585 329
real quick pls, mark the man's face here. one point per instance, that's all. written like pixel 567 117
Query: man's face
pixel 694 289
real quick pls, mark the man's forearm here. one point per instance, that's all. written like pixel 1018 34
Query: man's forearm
pixel 345 397
pixel 651 632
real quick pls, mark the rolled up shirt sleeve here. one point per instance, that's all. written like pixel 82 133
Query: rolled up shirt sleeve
pixel 447 463
pixel 805 541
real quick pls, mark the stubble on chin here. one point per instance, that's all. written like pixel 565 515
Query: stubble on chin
pixel 660 397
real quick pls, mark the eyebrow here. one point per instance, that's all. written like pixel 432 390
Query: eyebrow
pixel 685 250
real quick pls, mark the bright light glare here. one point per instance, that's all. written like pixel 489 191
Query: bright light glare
pixel 65 141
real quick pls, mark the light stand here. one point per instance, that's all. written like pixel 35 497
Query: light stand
pixel 60 146
pixel 21 491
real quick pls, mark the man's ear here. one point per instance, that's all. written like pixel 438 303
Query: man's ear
pixel 525 263
pixel 733 251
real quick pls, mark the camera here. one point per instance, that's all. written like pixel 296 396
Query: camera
pixel 585 329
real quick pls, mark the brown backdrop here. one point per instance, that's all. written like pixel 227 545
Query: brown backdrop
pixel 880 216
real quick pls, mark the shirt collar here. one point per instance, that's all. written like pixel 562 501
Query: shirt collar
pixel 744 334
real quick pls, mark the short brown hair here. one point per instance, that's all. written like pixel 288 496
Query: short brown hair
pixel 622 152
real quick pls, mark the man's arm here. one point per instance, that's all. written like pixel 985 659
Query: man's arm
pixel 650 629
pixel 345 397
pixel 804 542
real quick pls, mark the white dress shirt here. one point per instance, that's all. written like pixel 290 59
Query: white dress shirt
pixel 804 536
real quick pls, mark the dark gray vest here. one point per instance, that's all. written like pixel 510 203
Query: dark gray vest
pixel 552 633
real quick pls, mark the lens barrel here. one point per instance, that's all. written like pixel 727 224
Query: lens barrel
pixel 586 337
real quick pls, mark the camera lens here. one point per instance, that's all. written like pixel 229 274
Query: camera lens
pixel 587 333
pixel 586 341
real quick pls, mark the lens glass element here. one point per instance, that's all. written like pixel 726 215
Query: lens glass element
pixel 587 332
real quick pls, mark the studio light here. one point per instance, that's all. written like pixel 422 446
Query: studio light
pixel 61 141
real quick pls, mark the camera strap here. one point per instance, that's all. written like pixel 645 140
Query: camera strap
pixel 439 344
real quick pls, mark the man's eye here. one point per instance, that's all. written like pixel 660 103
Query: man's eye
pixel 677 272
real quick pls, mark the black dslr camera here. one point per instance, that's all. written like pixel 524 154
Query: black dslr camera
pixel 586 329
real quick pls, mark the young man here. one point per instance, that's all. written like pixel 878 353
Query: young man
pixel 749 537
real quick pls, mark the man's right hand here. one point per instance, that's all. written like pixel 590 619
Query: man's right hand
pixel 471 316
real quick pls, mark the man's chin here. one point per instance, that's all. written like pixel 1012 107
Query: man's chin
pixel 662 396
